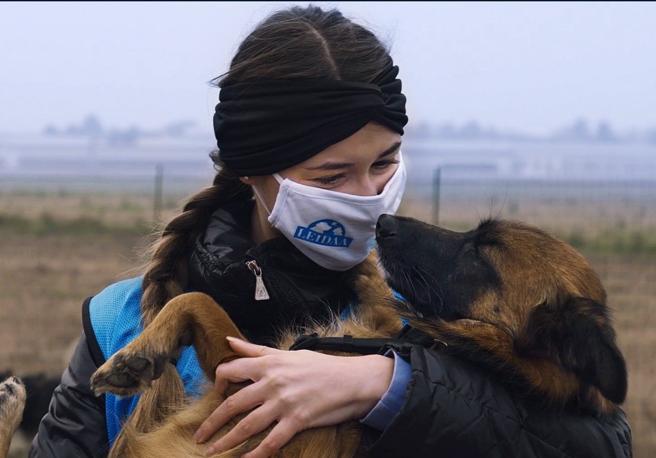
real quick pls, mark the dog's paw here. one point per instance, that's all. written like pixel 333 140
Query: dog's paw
pixel 127 373
pixel 12 402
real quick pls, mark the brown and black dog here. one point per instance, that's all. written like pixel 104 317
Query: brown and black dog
pixel 12 402
pixel 505 295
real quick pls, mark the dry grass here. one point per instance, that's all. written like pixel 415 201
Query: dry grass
pixel 631 285
pixel 50 264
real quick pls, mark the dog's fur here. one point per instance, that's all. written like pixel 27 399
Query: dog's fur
pixel 39 387
pixel 12 402
pixel 505 295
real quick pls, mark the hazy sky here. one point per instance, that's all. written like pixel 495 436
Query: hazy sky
pixel 530 67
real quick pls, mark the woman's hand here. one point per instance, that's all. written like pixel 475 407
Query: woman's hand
pixel 298 389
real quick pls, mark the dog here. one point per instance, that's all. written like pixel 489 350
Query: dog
pixel 513 298
pixel 505 295
pixel 39 387
pixel 12 402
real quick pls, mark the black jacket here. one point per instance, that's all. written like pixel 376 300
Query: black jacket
pixel 453 408
pixel 457 409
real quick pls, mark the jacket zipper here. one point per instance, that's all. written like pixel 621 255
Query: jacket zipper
pixel 261 293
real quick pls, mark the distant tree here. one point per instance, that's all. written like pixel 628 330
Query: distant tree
pixel 577 131
pixel 50 130
pixel 580 130
pixel 179 128
pixel 605 132
pixel 445 130
pixel 126 137
pixel 471 130
pixel 91 126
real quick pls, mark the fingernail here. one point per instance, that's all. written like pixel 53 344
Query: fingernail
pixel 198 437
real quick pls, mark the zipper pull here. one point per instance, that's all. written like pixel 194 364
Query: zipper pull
pixel 261 293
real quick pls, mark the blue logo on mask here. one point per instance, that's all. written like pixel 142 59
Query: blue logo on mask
pixel 325 232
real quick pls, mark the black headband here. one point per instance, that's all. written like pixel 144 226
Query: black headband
pixel 267 125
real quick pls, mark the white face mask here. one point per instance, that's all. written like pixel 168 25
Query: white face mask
pixel 334 229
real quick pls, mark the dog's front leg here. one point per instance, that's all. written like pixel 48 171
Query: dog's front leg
pixel 190 318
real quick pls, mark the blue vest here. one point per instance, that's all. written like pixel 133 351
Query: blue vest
pixel 115 315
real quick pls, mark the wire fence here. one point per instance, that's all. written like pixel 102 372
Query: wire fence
pixel 619 213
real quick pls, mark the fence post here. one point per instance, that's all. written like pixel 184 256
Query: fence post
pixel 157 198
pixel 437 178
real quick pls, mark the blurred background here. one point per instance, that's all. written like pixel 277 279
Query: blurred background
pixel 540 112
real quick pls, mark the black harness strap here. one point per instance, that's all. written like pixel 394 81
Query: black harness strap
pixel 401 344
pixel 347 344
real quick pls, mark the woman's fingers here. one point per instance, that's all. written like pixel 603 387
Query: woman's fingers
pixel 256 421
pixel 250 349
pixel 275 440
pixel 241 401
pixel 238 370
pixel 252 368
pixel 241 369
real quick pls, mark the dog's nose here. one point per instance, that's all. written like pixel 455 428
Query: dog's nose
pixel 386 227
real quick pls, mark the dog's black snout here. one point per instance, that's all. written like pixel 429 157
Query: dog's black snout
pixel 386 227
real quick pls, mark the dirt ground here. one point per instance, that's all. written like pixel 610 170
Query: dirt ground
pixel 45 274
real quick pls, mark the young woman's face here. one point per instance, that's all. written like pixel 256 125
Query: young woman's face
pixel 360 164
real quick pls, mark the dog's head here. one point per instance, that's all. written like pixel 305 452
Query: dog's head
pixel 12 402
pixel 512 276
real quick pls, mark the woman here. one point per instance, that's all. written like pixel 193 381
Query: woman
pixel 305 167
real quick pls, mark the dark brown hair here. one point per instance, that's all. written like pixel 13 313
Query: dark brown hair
pixel 295 42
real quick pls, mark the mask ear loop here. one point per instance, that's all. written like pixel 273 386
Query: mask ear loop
pixel 279 179
pixel 259 197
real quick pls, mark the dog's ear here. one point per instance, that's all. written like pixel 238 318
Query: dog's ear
pixel 577 334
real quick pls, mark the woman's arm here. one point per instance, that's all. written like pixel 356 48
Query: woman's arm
pixel 454 408
pixel 393 399
pixel 75 423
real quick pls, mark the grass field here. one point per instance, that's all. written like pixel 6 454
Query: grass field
pixel 58 248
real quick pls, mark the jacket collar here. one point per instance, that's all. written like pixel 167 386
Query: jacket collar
pixel 299 289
